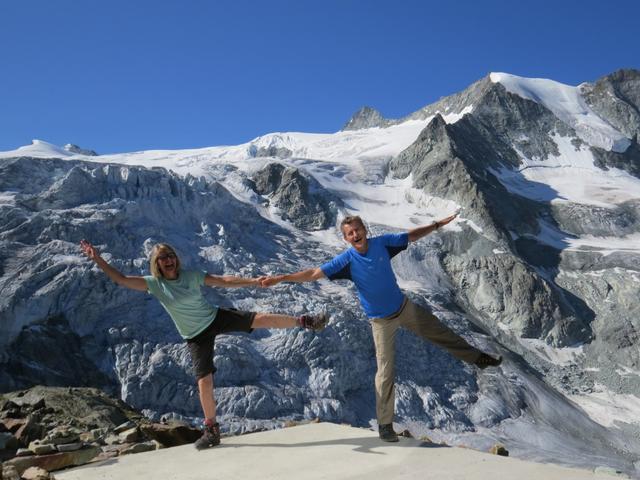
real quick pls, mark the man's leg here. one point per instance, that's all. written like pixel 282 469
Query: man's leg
pixel 384 337
pixel 426 325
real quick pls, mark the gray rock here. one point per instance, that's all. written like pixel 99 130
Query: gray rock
pixel 54 461
pixel 616 98
pixel 39 447
pixel 299 197
pixel 8 441
pixel 35 473
pixel 139 448
pixel 452 162
pixel 366 117
pixel 129 436
pixel 61 437
pixel 171 435
pixel 26 452
pixel 9 472
pixel 273 151
pixel 629 160
pixel 125 426
pixel 577 219
pixel 70 147
pixel 69 447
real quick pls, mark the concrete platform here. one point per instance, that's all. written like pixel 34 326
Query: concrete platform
pixel 321 451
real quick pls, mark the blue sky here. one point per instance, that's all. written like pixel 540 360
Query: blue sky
pixel 118 76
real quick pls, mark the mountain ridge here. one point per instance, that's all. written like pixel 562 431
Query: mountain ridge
pixel 541 261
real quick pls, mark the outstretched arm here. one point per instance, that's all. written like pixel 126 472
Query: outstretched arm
pixel 419 232
pixel 133 282
pixel 229 281
pixel 308 275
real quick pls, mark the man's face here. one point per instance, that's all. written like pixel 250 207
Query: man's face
pixel 356 235
pixel 168 265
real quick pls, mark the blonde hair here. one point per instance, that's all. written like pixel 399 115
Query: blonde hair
pixel 156 251
pixel 349 220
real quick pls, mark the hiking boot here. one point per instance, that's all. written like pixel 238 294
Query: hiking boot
pixel 210 436
pixel 386 433
pixel 485 361
pixel 313 322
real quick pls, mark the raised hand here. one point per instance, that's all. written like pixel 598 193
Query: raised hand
pixel 89 250
pixel 449 219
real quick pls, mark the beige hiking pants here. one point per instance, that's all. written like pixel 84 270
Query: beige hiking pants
pixel 424 324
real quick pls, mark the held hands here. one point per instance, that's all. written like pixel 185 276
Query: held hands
pixel 268 281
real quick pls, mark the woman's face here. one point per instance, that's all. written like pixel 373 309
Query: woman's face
pixel 168 264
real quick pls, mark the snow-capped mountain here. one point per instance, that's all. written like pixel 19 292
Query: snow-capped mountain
pixel 542 265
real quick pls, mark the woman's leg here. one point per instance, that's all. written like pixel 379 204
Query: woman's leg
pixel 273 320
pixel 207 399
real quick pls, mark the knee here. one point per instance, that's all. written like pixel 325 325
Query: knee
pixel 205 382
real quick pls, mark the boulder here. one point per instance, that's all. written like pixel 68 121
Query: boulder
pixel 139 448
pixel 171 435
pixel 31 430
pixel 12 424
pixel 9 472
pixel 129 436
pixel 70 447
pixel 55 461
pixel 62 435
pixel 498 449
pixel 8 441
pixel 125 426
pixel 41 448
pixel 35 473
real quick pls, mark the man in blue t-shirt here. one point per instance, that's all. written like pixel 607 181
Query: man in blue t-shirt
pixel 368 265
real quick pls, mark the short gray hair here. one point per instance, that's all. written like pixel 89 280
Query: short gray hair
pixel 351 219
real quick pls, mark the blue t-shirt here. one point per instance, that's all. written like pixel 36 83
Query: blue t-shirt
pixel 377 287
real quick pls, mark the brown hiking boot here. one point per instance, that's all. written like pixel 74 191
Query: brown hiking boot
pixel 313 322
pixel 210 436
pixel 386 433
pixel 485 361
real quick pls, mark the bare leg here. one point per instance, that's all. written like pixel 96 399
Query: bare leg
pixel 207 400
pixel 273 320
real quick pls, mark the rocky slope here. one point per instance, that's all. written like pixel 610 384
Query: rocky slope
pixel 50 428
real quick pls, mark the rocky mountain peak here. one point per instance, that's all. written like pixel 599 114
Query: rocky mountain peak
pixel 616 98
pixel 70 147
pixel 366 117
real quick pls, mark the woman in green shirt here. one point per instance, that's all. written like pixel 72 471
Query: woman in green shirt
pixel 198 322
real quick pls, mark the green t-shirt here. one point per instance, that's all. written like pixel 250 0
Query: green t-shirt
pixel 184 302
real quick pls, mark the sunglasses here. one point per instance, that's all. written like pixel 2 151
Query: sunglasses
pixel 164 256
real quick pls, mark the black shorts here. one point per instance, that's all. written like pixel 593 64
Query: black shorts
pixel 201 346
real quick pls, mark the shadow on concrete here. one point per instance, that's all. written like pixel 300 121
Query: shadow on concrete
pixel 360 444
